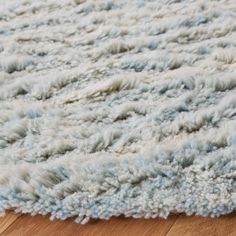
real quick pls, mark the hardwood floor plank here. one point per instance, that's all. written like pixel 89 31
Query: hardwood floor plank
pixel 27 225
pixel 7 220
pixel 195 226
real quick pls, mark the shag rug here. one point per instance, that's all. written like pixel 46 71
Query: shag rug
pixel 112 108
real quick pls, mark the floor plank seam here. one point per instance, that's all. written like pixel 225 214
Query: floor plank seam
pixel 172 226
pixel 13 222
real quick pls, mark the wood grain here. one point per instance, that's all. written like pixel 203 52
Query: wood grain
pixel 200 226
pixel 41 226
pixel 7 220
pixel 181 225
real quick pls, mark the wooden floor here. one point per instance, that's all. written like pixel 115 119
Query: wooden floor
pixel 177 225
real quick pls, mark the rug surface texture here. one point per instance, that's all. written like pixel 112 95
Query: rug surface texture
pixel 112 108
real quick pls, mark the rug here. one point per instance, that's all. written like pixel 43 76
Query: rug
pixel 112 108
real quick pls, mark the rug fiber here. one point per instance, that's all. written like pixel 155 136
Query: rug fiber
pixel 112 108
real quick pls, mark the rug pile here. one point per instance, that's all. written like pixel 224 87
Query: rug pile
pixel 112 108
